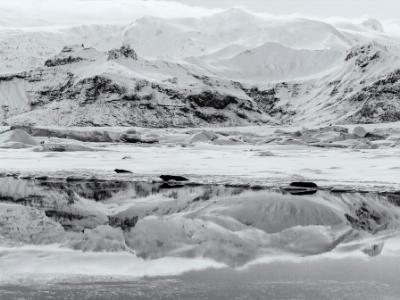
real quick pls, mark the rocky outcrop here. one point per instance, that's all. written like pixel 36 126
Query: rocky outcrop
pixel 62 61
pixel 132 91
pixel 124 52
pixel 364 55
pixel 379 102
pixel 212 99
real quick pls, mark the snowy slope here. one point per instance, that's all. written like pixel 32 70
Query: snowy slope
pixel 274 62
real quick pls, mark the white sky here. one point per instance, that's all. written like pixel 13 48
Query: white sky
pixel 29 13
pixel 73 12
pixel 382 9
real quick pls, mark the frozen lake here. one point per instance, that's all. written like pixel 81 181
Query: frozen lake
pixel 73 228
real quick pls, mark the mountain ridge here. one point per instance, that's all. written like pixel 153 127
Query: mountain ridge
pixel 171 72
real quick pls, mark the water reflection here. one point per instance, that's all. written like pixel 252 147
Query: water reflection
pixel 232 225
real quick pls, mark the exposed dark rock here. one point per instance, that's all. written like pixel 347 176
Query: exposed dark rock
pixel 93 87
pixel 380 101
pixel 212 99
pixel 266 99
pixel 124 52
pixel 13 76
pixel 364 55
pixel 375 137
pixel 62 61
pixel 211 118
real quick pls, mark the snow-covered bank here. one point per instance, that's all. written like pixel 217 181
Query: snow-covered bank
pixel 260 155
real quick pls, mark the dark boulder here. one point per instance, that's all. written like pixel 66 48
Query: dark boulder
pixel 122 171
pixel 302 188
pixel 309 185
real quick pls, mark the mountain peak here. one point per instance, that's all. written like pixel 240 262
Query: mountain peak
pixel 238 14
pixel 373 24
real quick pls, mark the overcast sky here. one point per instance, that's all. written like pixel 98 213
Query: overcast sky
pixel 73 12
pixel 383 9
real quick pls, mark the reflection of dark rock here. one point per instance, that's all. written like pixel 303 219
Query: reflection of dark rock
pixel 125 223
pixel 340 190
pixel 168 185
pixel 30 200
pixel 60 215
pixel 374 250
pixel 173 178
pixel 44 177
pixel 70 202
pixel 393 198
pixel 366 219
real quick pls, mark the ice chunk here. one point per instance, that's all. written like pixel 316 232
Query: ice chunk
pixel 360 132
pixel 203 137
pixel 17 138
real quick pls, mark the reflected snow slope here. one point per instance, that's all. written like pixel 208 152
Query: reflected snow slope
pixel 58 228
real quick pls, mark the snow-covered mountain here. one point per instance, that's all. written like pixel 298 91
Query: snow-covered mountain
pixel 229 68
